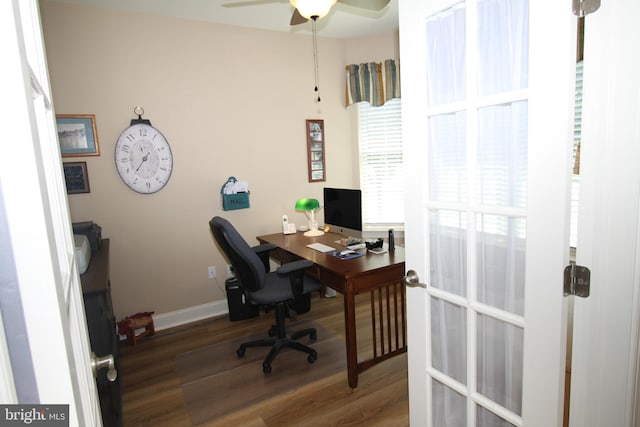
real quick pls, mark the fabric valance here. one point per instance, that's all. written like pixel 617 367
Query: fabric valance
pixel 373 82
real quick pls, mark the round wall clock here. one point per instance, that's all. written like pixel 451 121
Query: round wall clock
pixel 143 157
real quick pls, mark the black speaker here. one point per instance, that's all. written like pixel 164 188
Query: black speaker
pixel 239 308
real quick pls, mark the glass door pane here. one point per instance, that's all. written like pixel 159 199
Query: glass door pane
pixel 449 407
pixel 449 356
pixel 477 56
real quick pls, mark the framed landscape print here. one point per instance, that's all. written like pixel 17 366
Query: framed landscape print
pixel 77 135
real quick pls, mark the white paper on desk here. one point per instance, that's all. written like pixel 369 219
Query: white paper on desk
pixel 320 247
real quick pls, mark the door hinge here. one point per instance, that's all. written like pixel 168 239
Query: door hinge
pixel 577 281
pixel 584 7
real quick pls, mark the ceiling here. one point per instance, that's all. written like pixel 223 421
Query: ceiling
pixel 342 22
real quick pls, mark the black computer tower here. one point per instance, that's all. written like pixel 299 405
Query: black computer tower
pixel 239 307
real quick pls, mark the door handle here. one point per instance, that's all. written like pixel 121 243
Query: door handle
pixel 108 362
pixel 412 280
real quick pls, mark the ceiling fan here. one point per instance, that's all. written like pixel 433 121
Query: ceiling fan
pixel 314 9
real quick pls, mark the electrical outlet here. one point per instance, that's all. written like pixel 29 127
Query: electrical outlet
pixel 212 272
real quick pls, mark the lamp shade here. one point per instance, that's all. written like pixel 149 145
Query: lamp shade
pixel 307 204
pixel 309 8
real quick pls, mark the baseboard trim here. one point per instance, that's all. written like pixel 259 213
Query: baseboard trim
pixel 187 315
pixel 190 314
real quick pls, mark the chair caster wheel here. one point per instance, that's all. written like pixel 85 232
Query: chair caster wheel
pixel 240 352
pixel 313 336
pixel 266 368
pixel 312 358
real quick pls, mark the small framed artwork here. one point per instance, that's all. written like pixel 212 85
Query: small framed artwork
pixel 76 177
pixel 77 135
pixel 315 150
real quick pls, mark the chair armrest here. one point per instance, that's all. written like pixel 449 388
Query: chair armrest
pixel 294 266
pixel 266 247
pixel 263 253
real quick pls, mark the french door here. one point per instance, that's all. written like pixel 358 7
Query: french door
pixel 487 122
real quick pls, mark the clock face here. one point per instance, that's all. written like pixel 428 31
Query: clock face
pixel 143 158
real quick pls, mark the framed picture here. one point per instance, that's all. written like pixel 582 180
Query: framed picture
pixel 315 150
pixel 76 177
pixel 77 135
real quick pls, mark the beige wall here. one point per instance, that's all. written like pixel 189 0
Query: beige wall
pixel 231 101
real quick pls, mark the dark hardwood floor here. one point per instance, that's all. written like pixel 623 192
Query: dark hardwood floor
pixel 152 393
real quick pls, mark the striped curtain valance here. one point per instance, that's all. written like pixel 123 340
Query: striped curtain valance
pixel 373 82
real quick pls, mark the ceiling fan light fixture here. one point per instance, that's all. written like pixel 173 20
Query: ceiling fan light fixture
pixel 311 8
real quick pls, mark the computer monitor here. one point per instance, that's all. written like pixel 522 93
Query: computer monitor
pixel 343 211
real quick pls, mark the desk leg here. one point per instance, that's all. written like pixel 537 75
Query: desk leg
pixel 350 336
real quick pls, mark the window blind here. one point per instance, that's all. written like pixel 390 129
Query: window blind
pixel 381 165
pixel 575 179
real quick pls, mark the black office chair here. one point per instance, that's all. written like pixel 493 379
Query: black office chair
pixel 262 287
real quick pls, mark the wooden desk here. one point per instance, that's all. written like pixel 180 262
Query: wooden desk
pixel 380 275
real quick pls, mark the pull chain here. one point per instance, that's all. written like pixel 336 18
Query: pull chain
pixel 314 19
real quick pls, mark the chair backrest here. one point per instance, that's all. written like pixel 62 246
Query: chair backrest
pixel 247 265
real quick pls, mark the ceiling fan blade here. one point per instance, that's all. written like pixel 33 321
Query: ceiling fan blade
pixel 366 4
pixel 249 3
pixel 297 19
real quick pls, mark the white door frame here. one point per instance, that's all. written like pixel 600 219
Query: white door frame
pixel 605 334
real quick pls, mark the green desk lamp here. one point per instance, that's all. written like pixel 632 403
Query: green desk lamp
pixel 309 207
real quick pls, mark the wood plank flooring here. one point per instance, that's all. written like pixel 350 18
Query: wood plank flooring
pixel 152 394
